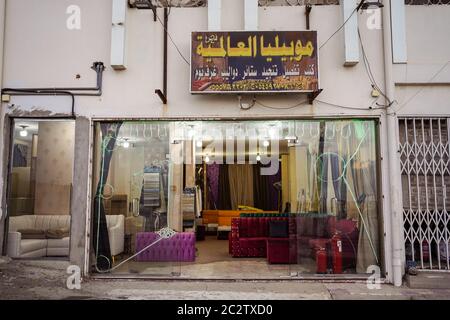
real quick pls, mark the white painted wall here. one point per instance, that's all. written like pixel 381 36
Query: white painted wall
pixel 40 51
pixel 427 34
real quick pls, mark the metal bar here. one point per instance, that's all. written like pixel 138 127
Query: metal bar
pixel 308 9
pixel 421 84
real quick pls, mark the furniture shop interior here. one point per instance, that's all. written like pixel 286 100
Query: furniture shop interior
pixel 40 185
pixel 235 199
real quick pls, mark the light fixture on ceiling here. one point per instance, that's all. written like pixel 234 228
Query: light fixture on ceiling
pixel 191 132
pixel 23 133
pixel 199 144
pixel 258 157
pixel 125 144
pixel 272 131
pixel 290 138
pixel 207 159
pixel 365 5
pixel 266 143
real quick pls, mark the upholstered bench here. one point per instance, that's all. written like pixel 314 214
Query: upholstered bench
pixel 179 248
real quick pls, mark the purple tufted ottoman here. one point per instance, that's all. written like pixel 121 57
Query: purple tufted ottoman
pixel 181 247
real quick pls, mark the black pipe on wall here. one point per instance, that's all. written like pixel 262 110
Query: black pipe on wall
pixel 163 94
pixel 98 67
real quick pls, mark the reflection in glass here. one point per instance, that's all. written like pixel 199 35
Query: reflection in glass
pixel 278 197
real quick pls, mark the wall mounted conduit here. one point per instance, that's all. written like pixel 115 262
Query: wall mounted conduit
pixel 96 91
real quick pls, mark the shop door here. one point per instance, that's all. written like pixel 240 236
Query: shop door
pixel 40 188
pixel 425 169
pixel 334 226
pixel 134 168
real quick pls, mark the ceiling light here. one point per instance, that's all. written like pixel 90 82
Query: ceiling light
pixel 126 144
pixel 207 159
pixel 258 157
pixel 199 144
pixel 24 132
pixel 266 143
pixel 191 133
pixel 290 138
pixel 272 131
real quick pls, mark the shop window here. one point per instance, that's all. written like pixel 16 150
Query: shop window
pixel 236 199
pixel 40 187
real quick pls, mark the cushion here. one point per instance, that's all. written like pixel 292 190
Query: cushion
pixel 32 233
pixel 58 243
pixel 278 229
pixel 32 245
pixel 57 233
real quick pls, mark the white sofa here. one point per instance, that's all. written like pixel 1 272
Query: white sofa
pixel 35 248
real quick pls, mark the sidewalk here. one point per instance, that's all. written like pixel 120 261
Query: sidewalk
pixel 47 280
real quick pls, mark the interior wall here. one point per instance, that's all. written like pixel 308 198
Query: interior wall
pixel 54 168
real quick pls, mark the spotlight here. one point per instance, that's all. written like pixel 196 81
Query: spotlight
pixel 272 131
pixel 290 138
pixel 126 144
pixel 191 133
pixel 23 132
pixel 266 143
pixel 258 157
pixel 199 144
pixel 207 159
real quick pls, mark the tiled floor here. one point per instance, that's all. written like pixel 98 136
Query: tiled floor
pixel 214 262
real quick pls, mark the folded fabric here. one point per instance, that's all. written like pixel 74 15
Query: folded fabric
pixel 32 233
pixel 57 233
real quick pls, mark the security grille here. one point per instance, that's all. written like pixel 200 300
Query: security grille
pixel 425 168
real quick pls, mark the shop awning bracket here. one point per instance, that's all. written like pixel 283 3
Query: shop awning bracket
pixel 313 95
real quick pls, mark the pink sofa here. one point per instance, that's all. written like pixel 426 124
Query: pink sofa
pixel 179 248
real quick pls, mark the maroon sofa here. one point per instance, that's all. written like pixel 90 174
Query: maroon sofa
pixel 249 237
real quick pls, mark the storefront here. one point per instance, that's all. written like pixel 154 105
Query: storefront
pixel 286 142
pixel 283 197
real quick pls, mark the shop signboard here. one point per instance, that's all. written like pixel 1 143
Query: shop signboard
pixel 252 62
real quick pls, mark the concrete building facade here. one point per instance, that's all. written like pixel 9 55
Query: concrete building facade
pixel 390 65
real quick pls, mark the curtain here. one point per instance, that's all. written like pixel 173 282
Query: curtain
pixel 212 178
pixel 224 197
pixel 102 250
pixel 266 196
pixel 338 160
pixel 20 155
pixel 364 188
pixel 241 185
pixel 261 191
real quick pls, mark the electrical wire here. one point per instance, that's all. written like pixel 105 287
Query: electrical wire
pixel 339 29
pixel 369 72
pixel 173 42
pixel 280 108
pixel 350 108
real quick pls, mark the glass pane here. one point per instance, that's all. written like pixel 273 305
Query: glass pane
pixel 40 188
pixel 133 171
pixel 334 223
pixel 237 199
